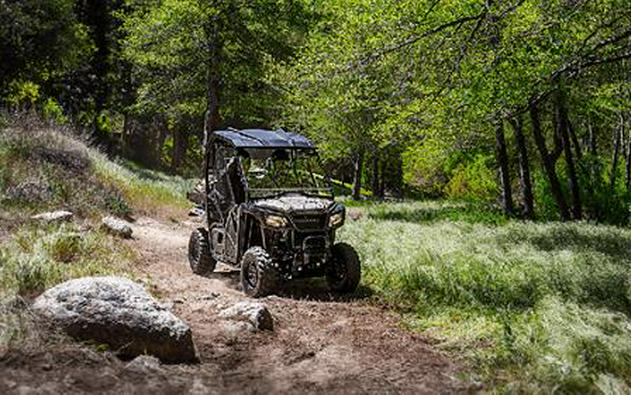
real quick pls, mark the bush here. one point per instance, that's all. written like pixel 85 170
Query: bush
pixel 52 111
pixel 473 180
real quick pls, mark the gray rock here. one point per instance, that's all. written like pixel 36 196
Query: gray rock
pixel 54 216
pixel 236 328
pixel 117 227
pixel 144 364
pixel 120 313
pixel 255 314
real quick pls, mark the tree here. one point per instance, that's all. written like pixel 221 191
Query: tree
pixel 205 61
pixel 40 41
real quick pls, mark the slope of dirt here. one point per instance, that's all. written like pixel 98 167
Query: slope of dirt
pixel 319 344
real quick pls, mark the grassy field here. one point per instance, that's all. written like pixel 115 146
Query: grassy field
pixel 530 307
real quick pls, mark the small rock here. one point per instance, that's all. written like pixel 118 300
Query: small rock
pixel 54 216
pixel 256 314
pixel 355 215
pixel 235 328
pixel 144 364
pixel 213 295
pixel 117 227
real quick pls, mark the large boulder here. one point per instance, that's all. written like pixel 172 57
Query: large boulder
pixel 120 313
pixel 117 227
pixel 256 316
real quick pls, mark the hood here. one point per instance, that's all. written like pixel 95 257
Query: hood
pixel 295 203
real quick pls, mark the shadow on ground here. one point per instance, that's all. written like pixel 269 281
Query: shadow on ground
pixel 613 243
pixel 467 213
pixel 314 289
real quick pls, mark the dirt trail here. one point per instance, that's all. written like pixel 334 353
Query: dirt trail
pixel 319 344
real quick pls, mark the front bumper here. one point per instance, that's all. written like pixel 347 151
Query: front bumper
pixel 302 254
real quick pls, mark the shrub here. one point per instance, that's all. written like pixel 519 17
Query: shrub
pixel 52 111
pixel 473 180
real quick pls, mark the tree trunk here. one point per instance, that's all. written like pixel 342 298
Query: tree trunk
pixel 214 45
pixel 575 142
pixel 627 181
pixel 357 175
pixel 562 125
pixel 382 180
pixel 375 175
pixel 616 154
pixel 179 148
pixel 502 160
pixel 548 164
pixel 524 169
pixel 592 138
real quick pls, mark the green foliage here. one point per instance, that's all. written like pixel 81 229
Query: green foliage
pixel 52 111
pixel 602 202
pixel 473 180
pixel 533 306
pixel 22 94
pixel 163 39
pixel 41 39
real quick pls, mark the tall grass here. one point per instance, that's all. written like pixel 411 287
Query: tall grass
pixel 535 307
pixel 149 192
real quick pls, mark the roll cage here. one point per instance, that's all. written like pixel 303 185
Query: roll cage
pixel 229 184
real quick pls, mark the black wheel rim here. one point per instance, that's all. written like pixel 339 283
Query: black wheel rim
pixel 338 271
pixel 251 275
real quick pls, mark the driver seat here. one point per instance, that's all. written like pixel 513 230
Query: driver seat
pixel 236 179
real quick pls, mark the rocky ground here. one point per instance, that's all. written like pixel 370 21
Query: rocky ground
pixel 319 344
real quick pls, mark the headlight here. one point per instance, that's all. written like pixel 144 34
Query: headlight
pixel 275 221
pixel 336 220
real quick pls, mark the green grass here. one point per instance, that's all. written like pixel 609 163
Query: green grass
pixel 531 307
pixel 149 192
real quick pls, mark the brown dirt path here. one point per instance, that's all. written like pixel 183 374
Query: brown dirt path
pixel 319 344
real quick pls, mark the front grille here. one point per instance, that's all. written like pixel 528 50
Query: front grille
pixel 309 221
pixel 314 243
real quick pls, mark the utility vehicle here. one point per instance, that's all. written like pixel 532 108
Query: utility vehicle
pixel 269 211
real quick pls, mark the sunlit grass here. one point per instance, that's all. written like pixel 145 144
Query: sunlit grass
pixel 148 192
pixel 531 307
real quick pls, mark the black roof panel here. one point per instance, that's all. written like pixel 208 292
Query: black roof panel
pixel 260 138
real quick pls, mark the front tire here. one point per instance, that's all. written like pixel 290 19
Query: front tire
pixel 345 271
pixel 199 256
pixel 258 277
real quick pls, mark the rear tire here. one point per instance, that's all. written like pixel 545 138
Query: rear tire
pixel 258 276
pixel 199 256
pixel 345 270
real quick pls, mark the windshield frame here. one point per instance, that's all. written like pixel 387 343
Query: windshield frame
pixel 267 193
